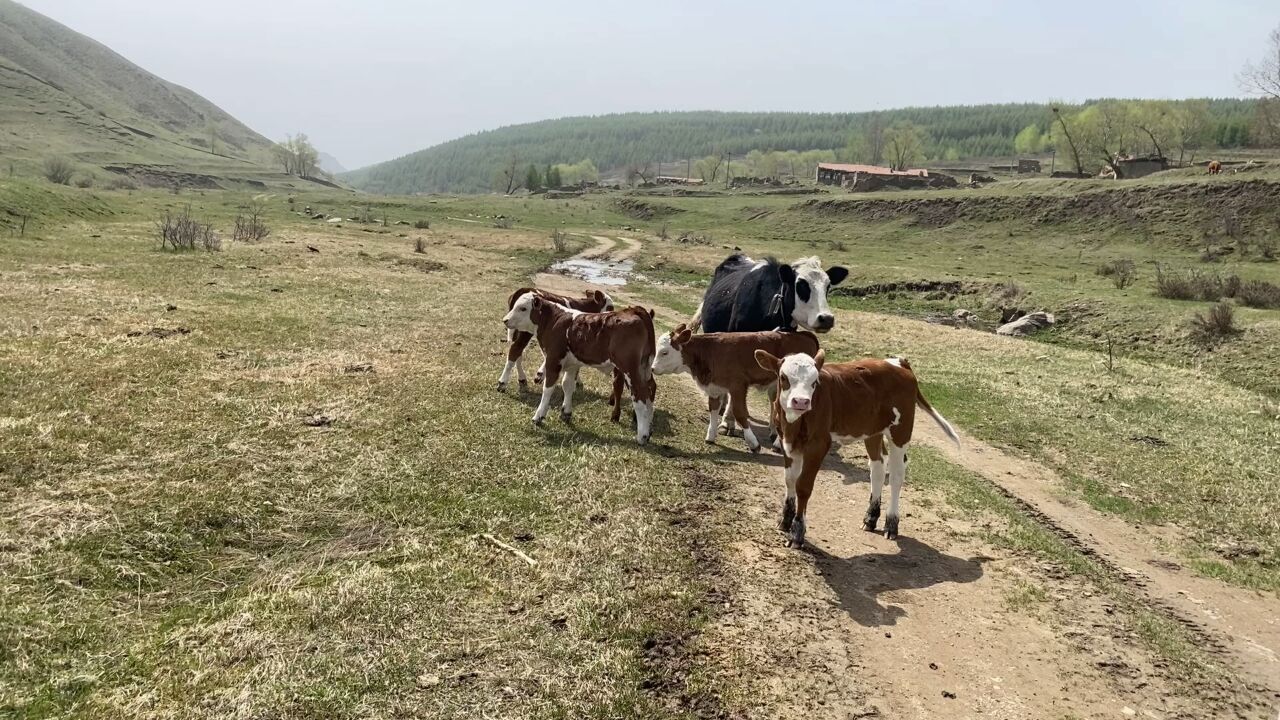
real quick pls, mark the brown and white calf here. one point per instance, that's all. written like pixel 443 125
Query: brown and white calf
pixel 872 401
pixel 724 367
pixel 591 301
pixel 618 342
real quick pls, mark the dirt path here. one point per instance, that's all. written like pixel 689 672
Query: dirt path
pixel 939 623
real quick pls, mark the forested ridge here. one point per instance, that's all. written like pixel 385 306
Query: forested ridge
pixel 478 162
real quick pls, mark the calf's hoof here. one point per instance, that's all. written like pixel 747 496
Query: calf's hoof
pixel 644 440
pixel 566 416
pixel 788 515
pixel 871 518
pixel 537 422
pixel 502 387
pixel 524 384
pixel 710 441
pixel 796 538
pixel 891 528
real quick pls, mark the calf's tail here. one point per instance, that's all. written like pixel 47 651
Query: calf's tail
pixel 937 417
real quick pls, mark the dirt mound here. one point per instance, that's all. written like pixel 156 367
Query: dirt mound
pixel 164 176
pixel 1190 203
pixel 642 210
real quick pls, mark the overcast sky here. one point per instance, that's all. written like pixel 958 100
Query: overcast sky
pixel 370 80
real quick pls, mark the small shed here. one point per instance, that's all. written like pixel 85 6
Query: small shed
pixel 840 173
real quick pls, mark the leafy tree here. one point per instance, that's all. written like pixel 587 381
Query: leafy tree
pixel 904 144
pixel 532 181
pixel 1029 140
pixel 297 155
pixel 708 168
pixel 553 177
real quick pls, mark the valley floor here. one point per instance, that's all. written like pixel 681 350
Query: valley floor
pixel 268 482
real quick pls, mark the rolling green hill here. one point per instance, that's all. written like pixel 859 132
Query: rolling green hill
pixel 468 164
pixel 62 93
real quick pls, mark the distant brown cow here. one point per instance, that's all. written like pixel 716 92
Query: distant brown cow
pixel 868 401
pixel 619 341
pixel 1215 167
pixel 591 301
pixel 724 367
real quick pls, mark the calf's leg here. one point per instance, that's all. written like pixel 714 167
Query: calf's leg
pixel 738 398
pixel 808 472
pixel 519 340
pixel 715 406
pixel 792 465
pixel 615 399
pixel 897 475
pixel 548 389
pixel 875 451
pixel 570 384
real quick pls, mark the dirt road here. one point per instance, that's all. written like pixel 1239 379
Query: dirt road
pixel 940 623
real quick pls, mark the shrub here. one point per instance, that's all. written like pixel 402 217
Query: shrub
pixel 1122 272
pixel 837 245
pixel 58 170
pixel 1218 323
pixel 422 224
pixel 502 223
pixel 182 232
pixel 1230 287
pixel 1259 294
pixel 559 240
pixel 84 181
pixel 1174 286
pixel 1195 285
pixel 250 225
pixel 121 182
pixel 420 245
pixel 1266 251
pixel 664 231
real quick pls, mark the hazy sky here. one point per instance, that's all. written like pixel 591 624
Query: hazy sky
pixel 370 80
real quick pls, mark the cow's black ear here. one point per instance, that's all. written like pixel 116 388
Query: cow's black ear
pixel 787 274
pixel 837 274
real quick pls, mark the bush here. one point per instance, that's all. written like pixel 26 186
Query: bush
pixel 250 225
pixel 84 181
pixel 1195 285
pixel 121 182
pixel 1122 272
pixel 419 245
pixel 422 224
pixel 1259 294
pixel 182 232
pixel 559 240
pixel 59 170
pixel 502 223
pixel 664 231
pixel 1218 323
pixel 837 245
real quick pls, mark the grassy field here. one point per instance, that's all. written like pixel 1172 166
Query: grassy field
pixel 241 518
pixel 257 482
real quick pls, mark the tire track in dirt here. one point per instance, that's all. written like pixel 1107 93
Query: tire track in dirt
pixel 857 626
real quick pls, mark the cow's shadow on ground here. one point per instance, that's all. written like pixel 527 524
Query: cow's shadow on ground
pixel 861 580
pixel 734 450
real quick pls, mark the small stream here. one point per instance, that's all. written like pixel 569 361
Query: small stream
pixel 595 271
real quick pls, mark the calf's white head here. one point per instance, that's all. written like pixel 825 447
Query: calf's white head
pixel 811 282
pixel 669 359
pixel 521 316
pixel 602 298
pixel 797 380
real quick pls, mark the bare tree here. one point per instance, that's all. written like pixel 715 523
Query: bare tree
pixel 508 175
pixel 1263 79
pixel 644 171
pixel 297 155
pixel 874 139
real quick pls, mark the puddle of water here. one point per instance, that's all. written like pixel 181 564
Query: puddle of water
pixel 597 272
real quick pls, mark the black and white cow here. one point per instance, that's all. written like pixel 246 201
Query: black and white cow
pixel 750 296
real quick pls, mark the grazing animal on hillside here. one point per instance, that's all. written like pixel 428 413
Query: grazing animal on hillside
pixel 612 342
pixel 724 366
pixel 746 296
pixel 867 400
pixel 1215 167
pixel 591 301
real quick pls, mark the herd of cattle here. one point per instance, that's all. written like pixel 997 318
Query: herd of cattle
pixel 758 321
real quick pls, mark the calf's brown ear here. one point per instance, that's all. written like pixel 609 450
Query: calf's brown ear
pixel 818 359
pixel 768 361
pixel 682 337
pixel 678 329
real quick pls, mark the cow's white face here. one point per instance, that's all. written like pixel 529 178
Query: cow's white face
pixel 797 382
pixel 520 317
pixel 608 302
pixel 812 282
pixel 668 359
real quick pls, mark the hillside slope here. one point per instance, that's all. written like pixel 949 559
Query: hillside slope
pixel 64 93
pixel 468 164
